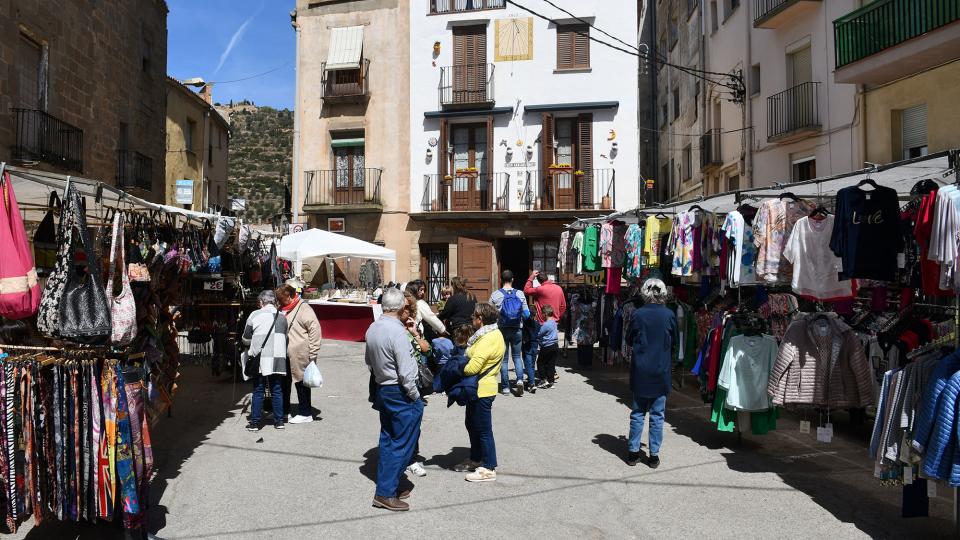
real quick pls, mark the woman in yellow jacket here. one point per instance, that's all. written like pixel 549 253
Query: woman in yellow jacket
pixel 485 354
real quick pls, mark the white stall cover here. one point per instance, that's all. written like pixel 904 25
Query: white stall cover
pixel 315 243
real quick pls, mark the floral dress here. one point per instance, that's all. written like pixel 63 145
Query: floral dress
pixel 771 229
pixel 634 250
pixel 681 241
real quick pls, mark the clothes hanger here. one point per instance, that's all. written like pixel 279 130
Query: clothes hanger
pixel 789 195
pixel 819 213
pixel 868 181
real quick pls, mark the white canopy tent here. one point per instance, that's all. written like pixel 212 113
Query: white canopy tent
pixel 318 244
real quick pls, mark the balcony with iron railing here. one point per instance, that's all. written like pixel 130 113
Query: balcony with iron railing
pixel 793 113
pixel 466 86
pixel 345 85
pixel 40 136
pixel 564 188
pixel 886 40
pixel 466 192
pixel 439 7
pixel 710 149
pixel 134 170
pixel 344 190
pixel 779 13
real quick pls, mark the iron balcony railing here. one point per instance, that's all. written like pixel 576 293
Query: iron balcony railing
pixel 466 192
pixel 570 189
pixel 710 149
pixel 459 6
pixel 134 170
pixel 469 84
pixel 343 187
pixel 345 83
pixel 43 137
pixel 766 9
pixel 886 23
pixel 793 110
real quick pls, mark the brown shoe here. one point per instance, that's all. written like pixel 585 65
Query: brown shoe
pixel 390 503
pixel 405 494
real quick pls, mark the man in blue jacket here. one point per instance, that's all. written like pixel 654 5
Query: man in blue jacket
pixel 652 331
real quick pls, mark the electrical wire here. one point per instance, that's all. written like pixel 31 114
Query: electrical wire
pixel 737 87
pixel 278 68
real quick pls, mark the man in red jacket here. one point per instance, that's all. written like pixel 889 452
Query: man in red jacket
pixel 547 294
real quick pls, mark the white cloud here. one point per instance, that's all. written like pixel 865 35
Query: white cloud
pixel 234 41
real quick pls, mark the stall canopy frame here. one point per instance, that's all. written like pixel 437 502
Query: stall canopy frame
pixel 317 244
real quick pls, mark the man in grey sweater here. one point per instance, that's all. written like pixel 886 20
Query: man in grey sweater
pixel 394 372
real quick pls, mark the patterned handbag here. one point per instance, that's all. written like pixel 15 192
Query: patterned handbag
pixel 123 308
pixel 49 315
pixel 19 287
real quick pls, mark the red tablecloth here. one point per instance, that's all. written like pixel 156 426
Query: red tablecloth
pixel 344 322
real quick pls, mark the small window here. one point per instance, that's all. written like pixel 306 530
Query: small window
pixel 436 270
pixel 714 16
pixel 664 114
pixel 573 46
pixel 674 33
pixel 665 178
pixel 545 255
pixel 754 79
pixel 692 6
pixel 676 102
pixel 189 136
pixel 733 184
pixel 32 84
pixel 729 7
pixel 913 131
pixel 803 169
pixel 210 152
pixel 687 162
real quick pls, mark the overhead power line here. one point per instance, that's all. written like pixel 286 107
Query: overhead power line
pixel 278 68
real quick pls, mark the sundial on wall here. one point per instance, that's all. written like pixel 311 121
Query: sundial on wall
pixel 514 39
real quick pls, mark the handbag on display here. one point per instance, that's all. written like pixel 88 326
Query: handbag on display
pixel 123 307
pixel 224 229
pixel 137 269
pixel 20 292
pixel 49 314
pixel 84 312
pixel 243 238
pixel 45 237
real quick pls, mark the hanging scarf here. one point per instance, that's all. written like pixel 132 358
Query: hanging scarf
pixel 484 330
pixel 125 468
pixel 108 443
pixel 292 305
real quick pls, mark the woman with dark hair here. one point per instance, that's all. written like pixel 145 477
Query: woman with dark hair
pixel 431 326
pixel 458 310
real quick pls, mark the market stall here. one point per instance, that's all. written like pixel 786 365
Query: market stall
pixel 835 300
pixel 343 314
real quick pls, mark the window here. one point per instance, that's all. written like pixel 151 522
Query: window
pixel 665 178
pixel 146 53
pixel 573 46
pixel 545 255
pixel 673 32
pixel 913 131
pixel 676 102
pixel 32 75
pixel 661 49
pixel 687 162
pixel 733 184
pixel 799 67
pixel 664 114
pixel 714 16
pixel 349 161
pixel 210 152
pixel 754 79
pixel 729 7
pixel 123 140
pixel 189 135
pixel 691 7
pixel 435 260
pixel 803 169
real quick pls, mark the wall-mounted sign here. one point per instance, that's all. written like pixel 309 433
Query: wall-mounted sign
pixel 336 224
pixel 184 192
pixel 521 165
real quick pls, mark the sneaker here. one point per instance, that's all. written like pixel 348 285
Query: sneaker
pixel 467 465
pixel 545 385
pixel 253 427
pixel 633 458
pixel 298 419
pixel 653 462
pixel 278 426
pixel 481 475
pixel 417 469
pixel 504 392
pixel 518 389
pixel 532 388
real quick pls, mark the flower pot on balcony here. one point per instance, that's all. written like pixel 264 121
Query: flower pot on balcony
pixel 606 203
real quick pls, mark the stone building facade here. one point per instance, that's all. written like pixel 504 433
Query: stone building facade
pixel 81 89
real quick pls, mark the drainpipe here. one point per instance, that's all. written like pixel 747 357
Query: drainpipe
pixel 747 134
pixel 654 111
pixel 295 175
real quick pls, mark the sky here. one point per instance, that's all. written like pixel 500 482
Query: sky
pixel 225 40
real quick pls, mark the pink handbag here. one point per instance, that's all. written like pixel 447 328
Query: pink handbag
pixel 19 287
pixel 123 308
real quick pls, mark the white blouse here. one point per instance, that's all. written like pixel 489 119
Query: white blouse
pixel 815 267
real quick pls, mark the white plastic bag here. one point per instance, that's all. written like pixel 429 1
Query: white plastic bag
pixel 312 377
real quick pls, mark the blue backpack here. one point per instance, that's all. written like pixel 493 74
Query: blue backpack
pixel 511 310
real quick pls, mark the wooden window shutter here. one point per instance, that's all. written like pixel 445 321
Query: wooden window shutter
pixel 442 155
pixel 585 158
pixel 564 47
pixel 581 47
pixel 546 142
pixel 489 149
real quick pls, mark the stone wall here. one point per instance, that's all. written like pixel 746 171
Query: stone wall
pixel 106 67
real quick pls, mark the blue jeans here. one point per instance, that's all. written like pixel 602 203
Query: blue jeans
pixel 276 398
pixel 479 424
pixel 513 339
pixel 399 432
pixel 530 361
pixel 641 406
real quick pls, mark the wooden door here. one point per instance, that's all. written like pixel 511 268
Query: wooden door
pixel 470 150
pixel 350 181
pixel 475 264
pixel 567 145
pixel 469 64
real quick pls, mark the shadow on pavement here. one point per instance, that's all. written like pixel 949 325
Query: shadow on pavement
pixel 449 461
pixel 369 466
pixel 836 476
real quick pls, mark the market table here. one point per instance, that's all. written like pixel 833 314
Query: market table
pixel 345 321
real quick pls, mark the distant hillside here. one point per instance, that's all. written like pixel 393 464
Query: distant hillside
pixel 261 153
